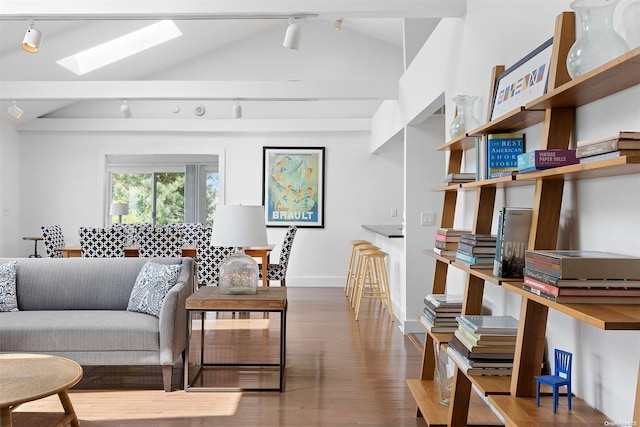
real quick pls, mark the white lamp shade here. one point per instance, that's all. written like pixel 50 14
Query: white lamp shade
pixel 239 226
pixel 119 209
pixel 292 36
pixel 32 40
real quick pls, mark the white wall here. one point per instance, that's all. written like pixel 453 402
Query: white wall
pixel 596 214
pixel 62 177
pixel 9 192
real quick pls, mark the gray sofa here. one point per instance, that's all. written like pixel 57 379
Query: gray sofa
pixel 77 308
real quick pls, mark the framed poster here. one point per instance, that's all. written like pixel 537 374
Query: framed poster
pixel 525 81
pixel 293 186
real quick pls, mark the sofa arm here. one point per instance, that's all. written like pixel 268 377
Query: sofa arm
pixel 173 322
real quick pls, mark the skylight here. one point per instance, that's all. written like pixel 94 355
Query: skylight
pixel 121 47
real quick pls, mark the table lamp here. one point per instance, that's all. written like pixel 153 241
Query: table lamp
pixel 119 209
pixel 240 226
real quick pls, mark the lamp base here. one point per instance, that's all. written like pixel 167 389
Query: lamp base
pixel 239 274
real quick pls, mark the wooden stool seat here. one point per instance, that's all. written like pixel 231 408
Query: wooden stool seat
pixel 373 282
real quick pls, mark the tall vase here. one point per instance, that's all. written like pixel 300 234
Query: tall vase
pixel 598 42
pixel 465 120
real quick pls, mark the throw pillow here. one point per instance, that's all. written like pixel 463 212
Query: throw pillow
pixel 8 297
pixel 152 284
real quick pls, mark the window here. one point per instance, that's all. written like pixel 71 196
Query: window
pixel 164 189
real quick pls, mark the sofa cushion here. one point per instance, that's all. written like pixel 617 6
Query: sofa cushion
pixel 8 298
pixel 152 285
pixel 79 330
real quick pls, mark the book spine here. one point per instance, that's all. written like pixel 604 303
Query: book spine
pixel 540 293
pixel 540 276
pixel 546 159
pixel 497 265
pixel 513 244
pixel 544 287
pixel 503 151
pixel 597 148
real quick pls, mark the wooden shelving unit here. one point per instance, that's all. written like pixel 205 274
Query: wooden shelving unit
pixel 514 397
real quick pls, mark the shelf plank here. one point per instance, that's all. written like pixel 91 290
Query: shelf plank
pixel 625 165
pixel 426 395
pixel 610 317
pixel 522 411
pixel 483 273
pixel 447 187
pixel 513 121
pixel 494 384
pixel 432 254
pixel 461 143
pixel 616 75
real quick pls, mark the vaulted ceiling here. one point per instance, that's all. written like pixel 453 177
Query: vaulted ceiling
pixel 230 50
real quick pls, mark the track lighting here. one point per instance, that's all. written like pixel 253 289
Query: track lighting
pixel 15 111
pixel 125 110
pixel 236 110
pixel 337 26
pixel 292 37
pixel 32 39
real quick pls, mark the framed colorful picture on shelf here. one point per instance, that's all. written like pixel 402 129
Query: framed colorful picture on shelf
pixel 293 186
pixel 525 81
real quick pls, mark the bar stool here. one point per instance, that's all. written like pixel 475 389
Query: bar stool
pixel 358 270
pixel 352 264
pixel 373 283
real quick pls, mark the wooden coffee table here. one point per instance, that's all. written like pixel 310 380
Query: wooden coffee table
pixel 209 298
pixel 27 377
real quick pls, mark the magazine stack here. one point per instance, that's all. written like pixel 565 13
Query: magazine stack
pixel 484 345
pixel 440 312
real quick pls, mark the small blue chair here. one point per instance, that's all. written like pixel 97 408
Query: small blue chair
pixel 561 377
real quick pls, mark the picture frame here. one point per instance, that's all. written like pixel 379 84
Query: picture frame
pixel 524 81
pixel 293 186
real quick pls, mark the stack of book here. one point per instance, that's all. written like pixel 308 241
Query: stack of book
pixel 476 250
pixel 512 241
pixel 585 277
pixel 624 143
pixel 440 312
pixel 447 241
pixel 484 345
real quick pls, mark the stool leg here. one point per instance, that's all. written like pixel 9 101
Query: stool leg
pixel 347 283
pixel 367 273
pixel 384 284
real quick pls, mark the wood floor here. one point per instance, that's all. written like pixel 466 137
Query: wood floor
pixel 339 373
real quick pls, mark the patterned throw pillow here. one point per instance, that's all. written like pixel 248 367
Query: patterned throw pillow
pixel 152 284
pixel 8 297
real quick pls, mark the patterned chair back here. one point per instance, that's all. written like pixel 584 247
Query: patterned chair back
pixel 209 258
pixel 53 238
pixel 98 242
pixel 279 271
pixel 160 242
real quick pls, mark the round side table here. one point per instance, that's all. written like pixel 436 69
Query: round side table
pixel 35 239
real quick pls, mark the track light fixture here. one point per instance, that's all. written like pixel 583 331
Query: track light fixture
pixel 292 37
pixel 236 110
pixel 15 111
pixel 32 39
pixel 337 25
pixel 125 110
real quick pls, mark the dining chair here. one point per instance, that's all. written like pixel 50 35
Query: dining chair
pixel 189 231
pixel 53 238
pixel 561 377
pixel 209 258
pixel 160 242
pixel 278 272
pixel 98 242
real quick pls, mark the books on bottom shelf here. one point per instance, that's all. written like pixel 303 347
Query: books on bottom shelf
pixel 492 352
pixel 440 328
pixel 473 339
pixel 440 312
pixel 483 368
pixel 512 240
